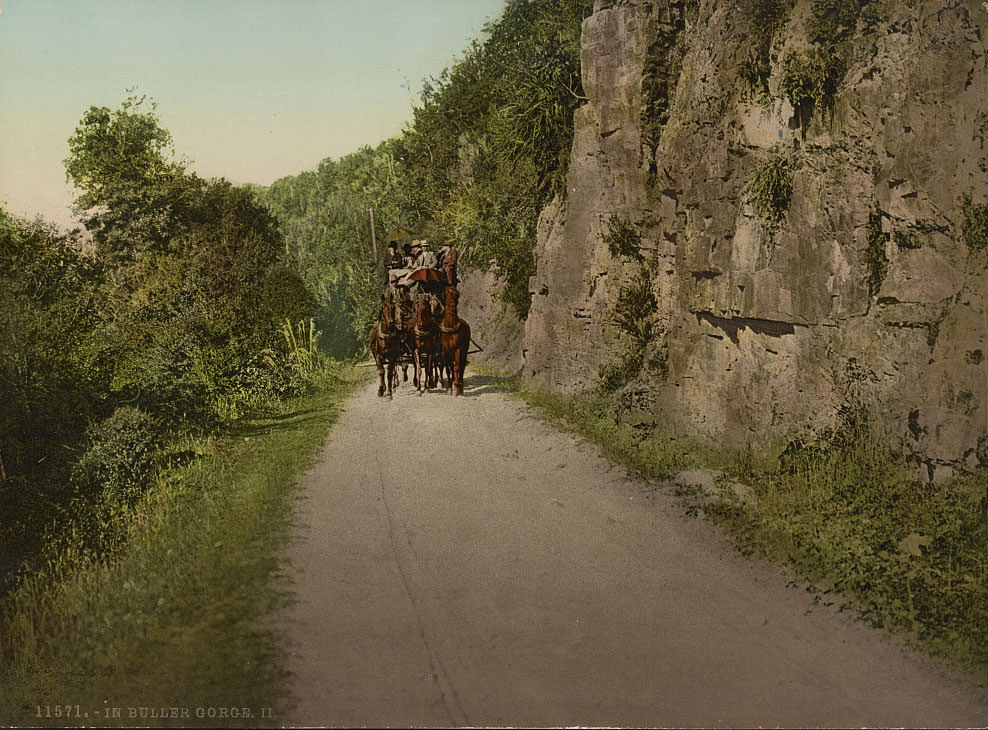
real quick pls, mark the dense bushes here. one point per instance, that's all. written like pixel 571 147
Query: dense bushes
pixel 196 285
pixel 164 320
pixel 119 456
pixel 49 303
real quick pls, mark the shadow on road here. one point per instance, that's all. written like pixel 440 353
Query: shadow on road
pixel 477 385
pixel 257 425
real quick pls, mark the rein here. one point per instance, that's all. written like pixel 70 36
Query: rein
pixel 382 332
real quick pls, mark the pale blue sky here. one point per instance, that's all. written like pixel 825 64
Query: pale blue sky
pixel 250 90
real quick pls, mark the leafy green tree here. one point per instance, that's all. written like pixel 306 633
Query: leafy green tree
pixel 324 215
pixel 197 284
pixel 492 138
pixel 169 321
pixel 132 191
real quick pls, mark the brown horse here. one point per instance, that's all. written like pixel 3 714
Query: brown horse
pixel 425 345
pixel 454 341
pixel 436 305
pixel 404 314
pixel 385 345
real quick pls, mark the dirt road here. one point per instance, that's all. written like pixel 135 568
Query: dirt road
pixel 458 562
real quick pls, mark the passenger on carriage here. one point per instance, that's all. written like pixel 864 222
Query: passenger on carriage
pixel 448 259
pixel 426 258
pixel 392 259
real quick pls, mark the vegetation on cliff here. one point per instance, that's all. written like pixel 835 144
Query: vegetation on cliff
pixel 769 190
pixel 974 223
pixel 487 149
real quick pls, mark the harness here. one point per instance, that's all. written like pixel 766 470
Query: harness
pixel 385 335
pixel 450 330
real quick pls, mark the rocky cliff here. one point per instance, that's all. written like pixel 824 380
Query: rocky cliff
pixel 775 310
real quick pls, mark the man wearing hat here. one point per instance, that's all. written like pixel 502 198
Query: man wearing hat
pixel 410 254
pixel 449 258
pixel 427 258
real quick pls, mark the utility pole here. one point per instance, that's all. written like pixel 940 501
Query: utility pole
pixel 373 235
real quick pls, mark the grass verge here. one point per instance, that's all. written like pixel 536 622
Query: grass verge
pixel 172 631
pixel 844 513
pixel 647 452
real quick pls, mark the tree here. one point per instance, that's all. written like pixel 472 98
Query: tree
pixel 131 187
pixel 196 285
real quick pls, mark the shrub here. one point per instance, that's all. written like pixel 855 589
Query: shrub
pixel 810 80
pixel 120 456
pixel 623 239
pixel 874 255
pixel 635 307
pixel 293 368
pixel 831 21
pixel 803 79
pixel 974 223
pixel 769 190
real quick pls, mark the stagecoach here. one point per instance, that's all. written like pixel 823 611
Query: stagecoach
pixel 419 321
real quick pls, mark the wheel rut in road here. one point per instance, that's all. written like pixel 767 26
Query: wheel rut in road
pixel 454 712
pixel 458 562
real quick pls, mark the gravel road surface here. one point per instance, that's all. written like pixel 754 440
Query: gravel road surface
pixel 458 562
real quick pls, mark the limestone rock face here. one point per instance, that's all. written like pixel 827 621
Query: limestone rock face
pixel 493 323
pixel 866 296
pixel 569 333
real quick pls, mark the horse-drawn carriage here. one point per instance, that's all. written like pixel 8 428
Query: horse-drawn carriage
pixel 419 326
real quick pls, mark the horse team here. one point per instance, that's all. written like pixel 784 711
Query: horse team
pixel 436 341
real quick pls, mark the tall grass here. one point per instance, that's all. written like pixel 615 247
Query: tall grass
pixel 178 616
pixel 649 452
